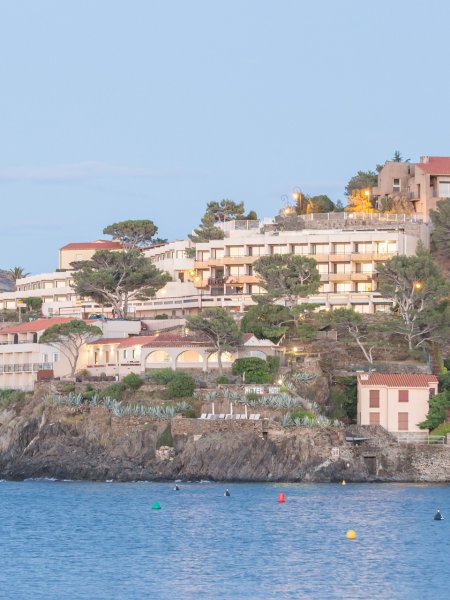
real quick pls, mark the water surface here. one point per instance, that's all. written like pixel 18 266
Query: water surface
pixel 72 540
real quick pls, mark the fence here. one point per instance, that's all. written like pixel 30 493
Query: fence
pixel 419 438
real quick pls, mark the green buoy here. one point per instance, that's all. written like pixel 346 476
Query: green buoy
pixel 156 506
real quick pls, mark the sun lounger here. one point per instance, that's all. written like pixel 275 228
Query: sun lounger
pixel 204 416
pixel 222 416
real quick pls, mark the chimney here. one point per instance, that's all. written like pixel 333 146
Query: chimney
pixel 425 159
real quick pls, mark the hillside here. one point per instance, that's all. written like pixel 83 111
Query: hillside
pixel 6 283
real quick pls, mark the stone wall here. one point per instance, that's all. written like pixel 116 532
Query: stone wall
pixel 193 427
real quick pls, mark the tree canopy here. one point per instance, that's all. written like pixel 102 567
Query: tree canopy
pixel 362 180
pixel 17 273
pixel 266 321
pixel 118 278
pixel 287 276
pixel 440 236
pixel 133 234
pixel 218 325
pixel 419 291
pixel 69 337
pixel 219 212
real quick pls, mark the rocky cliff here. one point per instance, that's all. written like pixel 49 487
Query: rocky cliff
pixel 6 283
pixel 41 440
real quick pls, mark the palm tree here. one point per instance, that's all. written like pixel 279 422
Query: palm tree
pixel 17 273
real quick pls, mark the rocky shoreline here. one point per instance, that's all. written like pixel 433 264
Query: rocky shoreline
pixel 38 440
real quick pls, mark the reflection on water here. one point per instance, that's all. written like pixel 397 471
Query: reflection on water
pixel 102 541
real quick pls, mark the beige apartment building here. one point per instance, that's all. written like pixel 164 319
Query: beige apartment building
pixel 24 360
pixel 347 248
pixel 397 402
pixel 418 186
pixel 83 251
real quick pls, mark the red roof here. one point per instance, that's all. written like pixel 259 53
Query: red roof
pixel 169 340
pixel 37 325
pixel 397 380
pixel 435 165
pixel 97 245
pixel 135 340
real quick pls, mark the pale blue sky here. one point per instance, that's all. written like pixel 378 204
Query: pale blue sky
pixel 149 109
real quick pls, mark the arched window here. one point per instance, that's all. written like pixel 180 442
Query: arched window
pixel 190 356
pixel 227 357
pixel 158 357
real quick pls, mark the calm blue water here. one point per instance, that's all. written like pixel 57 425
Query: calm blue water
pixel 102 541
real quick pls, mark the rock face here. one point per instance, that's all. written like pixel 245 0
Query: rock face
pixel 6 283
pixel 40 440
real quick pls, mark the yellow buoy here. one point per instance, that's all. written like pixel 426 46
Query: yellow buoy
pixel 351 535
pixel 344 482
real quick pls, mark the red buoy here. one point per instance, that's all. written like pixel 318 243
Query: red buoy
pixel 281 497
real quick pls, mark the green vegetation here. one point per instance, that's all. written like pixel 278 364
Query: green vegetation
pixel 162 376
pixel 69 338
pixel 440 237
pixel 134 234
pixel 219 326
pixel 286 276
pixel 343 396
pixel 133 381
pixel 222 379
pixel 9 397
pixel 273 364
pixel 219 212
pixel 269 321
pixel 438 406
pixel 161 317
pixel 256 370
pixel 420 294
pixel 115 390
pixel 118 278
pixel 165 439
pixel 182 385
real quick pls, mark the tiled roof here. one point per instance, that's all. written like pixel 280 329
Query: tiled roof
pixel 97 245
pixel 176 340
pixel 134 340
pixel 435 165
pixel 398 380
pixel 37 325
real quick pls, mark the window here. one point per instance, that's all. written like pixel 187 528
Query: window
pixel 403 421
pixel 374 398
pixel 235 271
pixel 342 268
pixel 396 187
pixel 383 247
pixel 284 249
pixel 364 267
pixel 217 253
pixel 342 248
pixel 403 395
pixel 343 287
pixel 203 255
pixel 383 308
pixel 363 247
pixel 374 418
pixel 363 286
pixel 431 392
pixel 361 308
pixel 322 268
pixel 319 248
pixel 300 249
pixel 237 251
pixel 56 358
pixel 256 250
pixel 444 189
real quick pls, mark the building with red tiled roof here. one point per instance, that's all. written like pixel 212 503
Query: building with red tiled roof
pixel 77 251
pixel 413 187
pixel 35 326
pixel 397 401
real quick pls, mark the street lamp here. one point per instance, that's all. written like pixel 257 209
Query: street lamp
pixel 418 285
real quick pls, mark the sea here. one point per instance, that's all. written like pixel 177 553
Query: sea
pixel 82 540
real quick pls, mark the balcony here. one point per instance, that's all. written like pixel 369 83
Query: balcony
pixel 242 279
pixel 201 264
pixel 318 257
pixel 212 281
pixel 339 276
pixel 361 276
pixel 239 260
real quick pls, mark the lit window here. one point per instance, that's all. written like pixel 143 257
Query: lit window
pixel 396 187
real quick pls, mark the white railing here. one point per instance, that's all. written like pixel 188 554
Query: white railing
pixel 419 438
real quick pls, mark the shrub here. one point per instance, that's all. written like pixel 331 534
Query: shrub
pixel 162 376
pixel 88 394
pixel 181 385
pixel 133 381
pixel 165 439
pixel 9 397
pixel 273 363
pixel 256 370
pixel 436 412
pixel 70 387
pixel 344 398
pixel 222 379
pixel 442 429
pixel 252 397
pixel 161 317
pixel 300 414
pixel 116 391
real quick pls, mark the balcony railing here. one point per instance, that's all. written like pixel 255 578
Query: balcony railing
pixel 26 367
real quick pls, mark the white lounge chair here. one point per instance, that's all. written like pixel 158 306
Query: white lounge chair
pixel 204 416
pixel 222 416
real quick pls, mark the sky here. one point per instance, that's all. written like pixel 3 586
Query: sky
pixel 149 109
